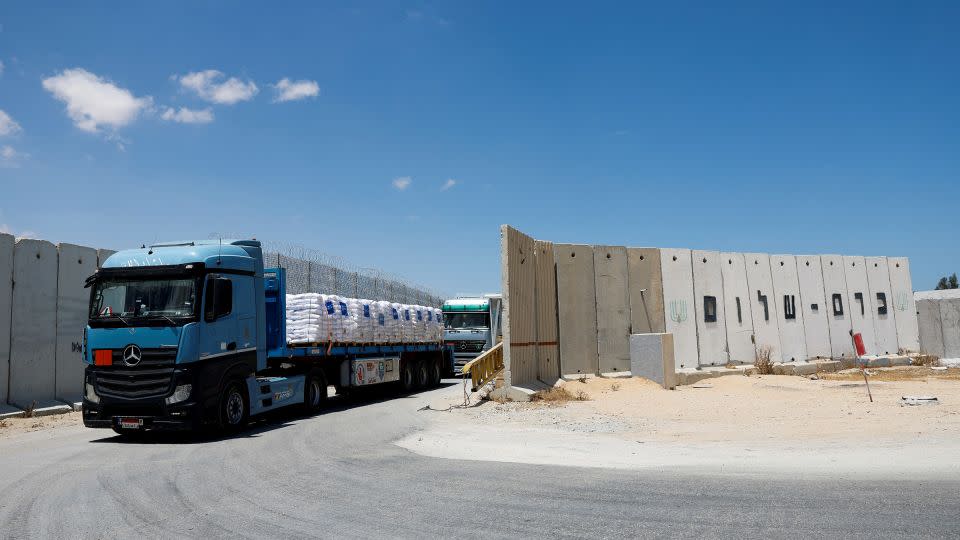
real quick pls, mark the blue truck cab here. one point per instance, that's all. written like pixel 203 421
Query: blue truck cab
pixel 188 335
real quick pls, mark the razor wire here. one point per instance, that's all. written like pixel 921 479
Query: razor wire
pixel 310 270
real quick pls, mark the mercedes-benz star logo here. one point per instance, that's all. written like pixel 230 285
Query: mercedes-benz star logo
pixel 132 355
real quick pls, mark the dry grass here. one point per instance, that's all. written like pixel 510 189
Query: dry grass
pixel 615 386
pixel 4 423
pixel 559 394
pixel 925 360
pixel 904 373
pixel 762 361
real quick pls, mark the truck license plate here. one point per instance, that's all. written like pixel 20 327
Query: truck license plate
pixel 130 423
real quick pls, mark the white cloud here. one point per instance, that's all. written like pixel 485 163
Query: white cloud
pixel 210 86
pixel 8 126
pixel 402 183
pixel 287 90
pixel 5 229
pixel 448 184
pixel 10 158
pixel 188 116
pixel 93 102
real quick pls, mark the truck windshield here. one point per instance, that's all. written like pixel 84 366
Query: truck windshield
pixel 466 320
pixel 124 298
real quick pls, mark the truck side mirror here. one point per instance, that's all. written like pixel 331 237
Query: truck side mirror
pixel 218 298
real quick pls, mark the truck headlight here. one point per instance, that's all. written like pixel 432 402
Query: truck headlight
pixel 180 394
pixel 90 393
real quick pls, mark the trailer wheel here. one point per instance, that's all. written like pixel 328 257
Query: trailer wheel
pixel 422 373
pixel 408 378
pixel 315 393
pixel 234 410
pixel 435 374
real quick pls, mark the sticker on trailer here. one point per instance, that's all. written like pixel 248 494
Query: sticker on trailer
pixel 374 371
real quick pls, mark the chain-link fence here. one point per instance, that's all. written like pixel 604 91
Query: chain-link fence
pixel 313 271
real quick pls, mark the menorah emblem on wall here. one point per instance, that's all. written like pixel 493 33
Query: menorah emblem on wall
pixel 901 302
pixel 678 310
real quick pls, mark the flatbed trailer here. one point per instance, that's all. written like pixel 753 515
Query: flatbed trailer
pixel 217 353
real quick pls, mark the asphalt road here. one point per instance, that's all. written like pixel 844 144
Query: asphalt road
pixel 338 475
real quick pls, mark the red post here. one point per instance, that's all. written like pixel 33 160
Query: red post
pixel 861 350
pixel 858 342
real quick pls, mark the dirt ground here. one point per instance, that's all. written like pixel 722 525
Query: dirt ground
pixel 823 423
pixel 15 426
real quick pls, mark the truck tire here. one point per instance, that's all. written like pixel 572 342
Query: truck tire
pixel 315 392
pixel 234 409
pixel 408 377
pixel 422 374
pixel 436 374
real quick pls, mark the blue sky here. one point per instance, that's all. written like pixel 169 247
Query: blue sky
pixel 805 127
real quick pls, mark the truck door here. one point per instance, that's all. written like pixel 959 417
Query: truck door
pixel 220 334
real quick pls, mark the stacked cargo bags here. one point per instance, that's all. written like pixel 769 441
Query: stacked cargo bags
pixel 319 318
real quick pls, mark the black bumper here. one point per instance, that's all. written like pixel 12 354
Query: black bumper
pixel 153 412
pixel 154 415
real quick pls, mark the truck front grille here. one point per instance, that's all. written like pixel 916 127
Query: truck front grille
pixel 151 377
pixel 469 346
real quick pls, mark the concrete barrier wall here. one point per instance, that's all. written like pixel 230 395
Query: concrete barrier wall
pixel 6 297
pixel 548 350
pixel 75 264
pixel 861 309
pixel 646 291
pixel 901 288
pixel 931 329
pixel 950 324
pixel 613 308
pixel 838 306
pixel 881 302
pixel 577 309
pixel 678 305
pixel 786 294
pixel 518 259
pixel 736 306
pixel 815 309
pixel 765 320
pixel 710 308
pixel 718 307
pixel 33 334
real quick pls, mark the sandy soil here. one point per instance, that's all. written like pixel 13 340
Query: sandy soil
pixel 759 421
pixel 15 426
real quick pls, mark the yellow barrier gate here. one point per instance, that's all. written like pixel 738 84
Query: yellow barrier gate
pixel 485 367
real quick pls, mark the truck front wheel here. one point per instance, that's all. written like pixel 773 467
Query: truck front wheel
pixel 234 411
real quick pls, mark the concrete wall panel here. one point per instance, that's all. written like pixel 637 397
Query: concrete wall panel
pixel 765 321
pixel 76 263
pixel 577 307
pixel 902 301
pixel 646 291
pixel 861 317
pixel 950 324
pixel 709 308
pixel 931 330
pixel 816 325
pixel 786 296
pixel 678 305
pixel 838 306
pixel 736 306
pixel 613 308
pixel 548 350
pixel 33 341
pixel 651 357
pixel 518 266
pixel 6 297
pixel 103 255
pixel 881 301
